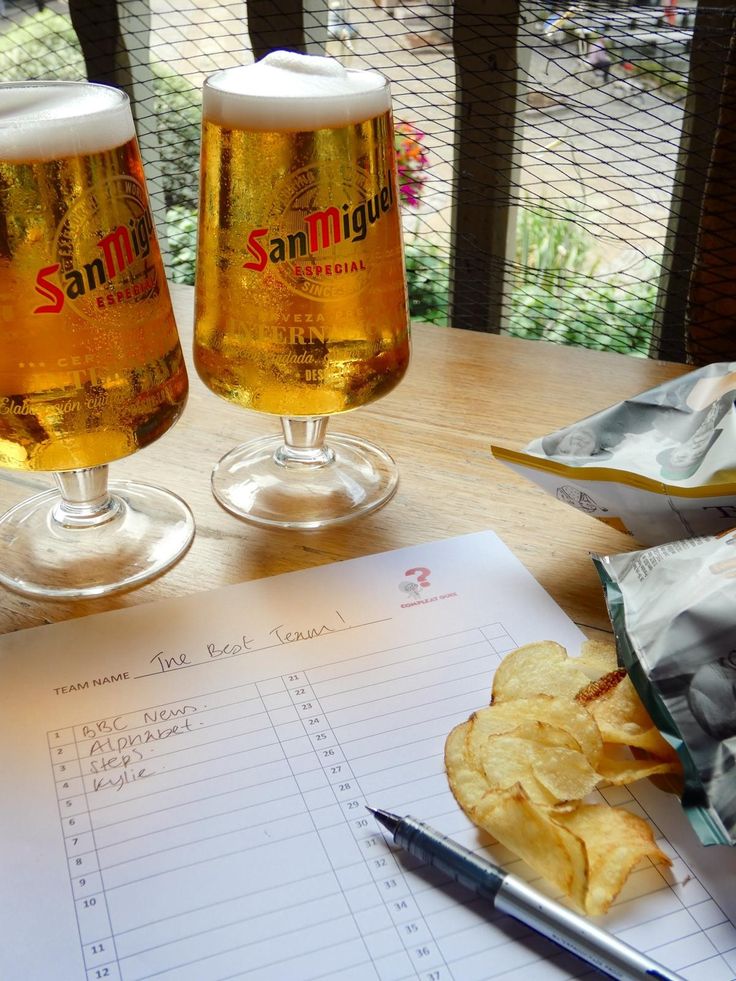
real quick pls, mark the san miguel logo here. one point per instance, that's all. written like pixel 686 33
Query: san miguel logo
pixel 98 269
pixel 312 246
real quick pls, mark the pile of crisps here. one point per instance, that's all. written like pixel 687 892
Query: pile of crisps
pixel 556 728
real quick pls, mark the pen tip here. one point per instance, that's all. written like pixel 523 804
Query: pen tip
pixel 389 821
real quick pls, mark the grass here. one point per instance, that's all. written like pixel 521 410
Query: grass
pixel 660 78
pixel 560 294
pixel 558 291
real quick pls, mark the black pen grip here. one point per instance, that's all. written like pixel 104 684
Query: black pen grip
pixel 447 856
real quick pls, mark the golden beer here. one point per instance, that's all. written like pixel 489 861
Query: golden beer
pixel 91 369
pixel 300 299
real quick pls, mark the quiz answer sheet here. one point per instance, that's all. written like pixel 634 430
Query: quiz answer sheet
pixel 184 786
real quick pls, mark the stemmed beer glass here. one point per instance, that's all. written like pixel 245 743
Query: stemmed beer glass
pixel 91 366
pixel 301 306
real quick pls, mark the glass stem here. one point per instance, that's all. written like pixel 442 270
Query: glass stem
pixel 304 442
pixel 85 500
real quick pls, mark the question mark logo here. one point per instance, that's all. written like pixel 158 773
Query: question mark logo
pixel 413 587
pixel 421 574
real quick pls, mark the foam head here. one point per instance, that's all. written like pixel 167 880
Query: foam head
pixel 51 120
pixel 288 91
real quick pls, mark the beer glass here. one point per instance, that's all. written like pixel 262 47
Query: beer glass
pixel 301 306
pixel 91 367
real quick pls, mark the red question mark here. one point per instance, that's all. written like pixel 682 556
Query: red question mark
pixel 421 574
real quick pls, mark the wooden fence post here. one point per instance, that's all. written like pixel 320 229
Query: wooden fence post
pixel 485 37
pixel 708 57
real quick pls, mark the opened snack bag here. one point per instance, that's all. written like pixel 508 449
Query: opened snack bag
pixel 660 466
pixel 673 609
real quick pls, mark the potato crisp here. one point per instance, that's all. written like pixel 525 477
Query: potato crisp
pixel 556 729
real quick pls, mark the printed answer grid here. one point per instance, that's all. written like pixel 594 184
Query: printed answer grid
pixel 225 836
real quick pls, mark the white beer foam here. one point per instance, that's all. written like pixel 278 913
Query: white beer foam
pixel 289 91
pixel 51 120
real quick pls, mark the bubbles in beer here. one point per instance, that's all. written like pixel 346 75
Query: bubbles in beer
pixel 90 363
pixel 301 300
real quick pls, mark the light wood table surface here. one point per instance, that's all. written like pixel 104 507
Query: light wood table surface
pixel 463 391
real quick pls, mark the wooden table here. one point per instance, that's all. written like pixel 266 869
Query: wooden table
pixel 464 390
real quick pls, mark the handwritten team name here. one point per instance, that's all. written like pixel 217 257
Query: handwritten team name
pixel 163 661
pixel 277 636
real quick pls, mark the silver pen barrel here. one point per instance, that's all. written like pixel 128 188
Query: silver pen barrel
pixel 513 896
pixel 576 934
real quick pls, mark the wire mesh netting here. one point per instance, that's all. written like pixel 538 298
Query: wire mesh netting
pixel 561 161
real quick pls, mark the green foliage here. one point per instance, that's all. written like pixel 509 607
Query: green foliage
pixel 667 81
pixel 428 281
pixel 557 291
pixel 602 315
pixel 181 225
pixel 178 107
pixel 42 45
pixel 558 295
pixel 550 246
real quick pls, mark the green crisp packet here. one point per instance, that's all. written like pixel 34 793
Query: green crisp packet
pixel 673 610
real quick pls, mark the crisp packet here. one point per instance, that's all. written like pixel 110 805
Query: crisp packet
pixel 673 610
pixel 660 466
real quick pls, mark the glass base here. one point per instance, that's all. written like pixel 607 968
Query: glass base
pixel 142 532
pixel 260 482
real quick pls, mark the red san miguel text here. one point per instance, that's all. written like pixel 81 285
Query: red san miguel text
pixel 322 230
pixel 119 249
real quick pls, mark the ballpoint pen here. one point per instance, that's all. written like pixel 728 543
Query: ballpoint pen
pixel 511 895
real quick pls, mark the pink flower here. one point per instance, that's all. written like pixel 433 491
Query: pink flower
pixel 412 161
